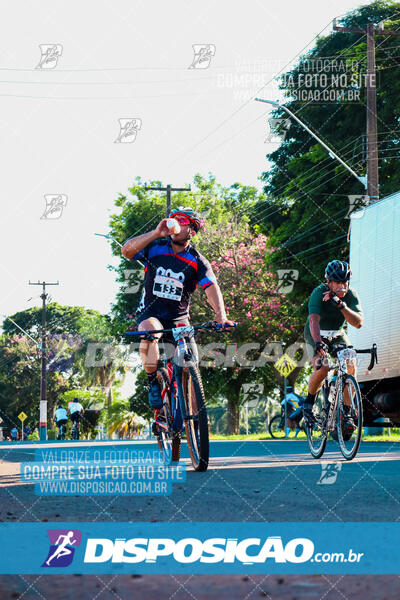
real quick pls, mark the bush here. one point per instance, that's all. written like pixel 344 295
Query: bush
pixel 51 434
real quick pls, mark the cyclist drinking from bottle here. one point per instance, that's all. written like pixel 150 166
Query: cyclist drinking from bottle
pixel 173 269
pixel 331 305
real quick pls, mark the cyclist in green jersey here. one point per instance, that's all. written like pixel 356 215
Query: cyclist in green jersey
pixel 331 305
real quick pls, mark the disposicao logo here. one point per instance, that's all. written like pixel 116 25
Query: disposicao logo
pixel 190 550
pixel 62 547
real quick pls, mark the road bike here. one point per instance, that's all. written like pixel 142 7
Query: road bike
pixel 184 404
pixel 338 402
pixel 277 427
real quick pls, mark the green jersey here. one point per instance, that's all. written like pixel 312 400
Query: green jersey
pixel 331 317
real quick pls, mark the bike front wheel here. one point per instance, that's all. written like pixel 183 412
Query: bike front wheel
pixel 317 435
pixel 195 415
pixel 349 418
pixel 168 440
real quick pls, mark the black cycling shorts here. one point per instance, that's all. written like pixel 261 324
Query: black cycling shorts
pixel 167 338
pixel 62 422
pixel 76 416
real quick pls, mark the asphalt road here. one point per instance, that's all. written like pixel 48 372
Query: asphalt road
pixel 246 481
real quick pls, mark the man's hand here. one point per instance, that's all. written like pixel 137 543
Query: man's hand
pixel 321 349
pixel 225 322
pixel 334 299
pixel 162 230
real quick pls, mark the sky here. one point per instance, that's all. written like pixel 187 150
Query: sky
pixel 124 60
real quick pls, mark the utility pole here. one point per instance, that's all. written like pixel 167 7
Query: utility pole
pixel 43 378
pixel 372 128
pixel 168 189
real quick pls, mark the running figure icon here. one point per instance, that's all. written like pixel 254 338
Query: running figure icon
pixel 62 549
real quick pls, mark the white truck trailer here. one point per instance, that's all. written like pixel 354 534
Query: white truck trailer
pixel 375 262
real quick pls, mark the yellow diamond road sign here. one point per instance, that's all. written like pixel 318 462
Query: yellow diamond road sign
pixel 285 365
pixel 22 416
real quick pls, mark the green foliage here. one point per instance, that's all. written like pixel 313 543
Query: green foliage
pixel 69 331
pixel 240 259
pixel 143 210
pixel 121 420
pixel 139 402
pixel 306 205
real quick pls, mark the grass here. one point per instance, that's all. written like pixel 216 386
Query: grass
pixel 394 437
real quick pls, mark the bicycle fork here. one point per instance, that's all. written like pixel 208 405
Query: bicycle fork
pixel 331 426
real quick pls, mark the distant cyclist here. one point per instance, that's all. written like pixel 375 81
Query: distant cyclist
pixel 61 419
pixel 173 270
pixel 331 305
pixel 76 411
pixel 14 434
pixel 294 409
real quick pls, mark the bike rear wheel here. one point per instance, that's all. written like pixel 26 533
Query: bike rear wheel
pixel 317 435
pixel 349 438
pixel 75 431
pixel 196 422
pixel 168 440
pixel 276 427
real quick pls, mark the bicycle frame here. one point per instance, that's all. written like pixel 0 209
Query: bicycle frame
pixel 333 404
pixel 182 335
pixel 186 410
pixel 343 355
pixel 341 371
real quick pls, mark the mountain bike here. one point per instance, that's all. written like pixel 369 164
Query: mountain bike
pixel 62 429
pixel 184 403
pixel 75 428
pixel 338 400
pixel 277 428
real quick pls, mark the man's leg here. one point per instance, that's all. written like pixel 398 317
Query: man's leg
pixel 149 353
pixel 351 369
pixel 348 415
pixel 314 385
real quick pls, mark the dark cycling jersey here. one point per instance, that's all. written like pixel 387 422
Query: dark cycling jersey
pixel 331 316
pixel 170 279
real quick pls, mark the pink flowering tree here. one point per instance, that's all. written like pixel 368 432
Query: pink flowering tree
pixel 240 261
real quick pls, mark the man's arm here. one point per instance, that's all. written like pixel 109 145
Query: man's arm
pixel 315 329
pixel 136 244
pixel 215 299
pixel 354 318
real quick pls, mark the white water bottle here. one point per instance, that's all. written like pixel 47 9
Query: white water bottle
pixel 173 226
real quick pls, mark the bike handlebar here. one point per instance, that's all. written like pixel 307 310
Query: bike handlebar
pixel 372 351
pixel 211 325
pixel 374 355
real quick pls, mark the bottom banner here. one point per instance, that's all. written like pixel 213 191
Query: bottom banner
pixel 214 548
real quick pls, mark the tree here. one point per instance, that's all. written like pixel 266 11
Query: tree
pixel 141 213
pixel 96 329
pixel 139 401
pixel 122 421
pixel 70 330
pixel 305 211
pixel 20 380
pixel 240 263
pixel 143 210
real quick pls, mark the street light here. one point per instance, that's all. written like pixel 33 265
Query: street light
pixel 361 178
